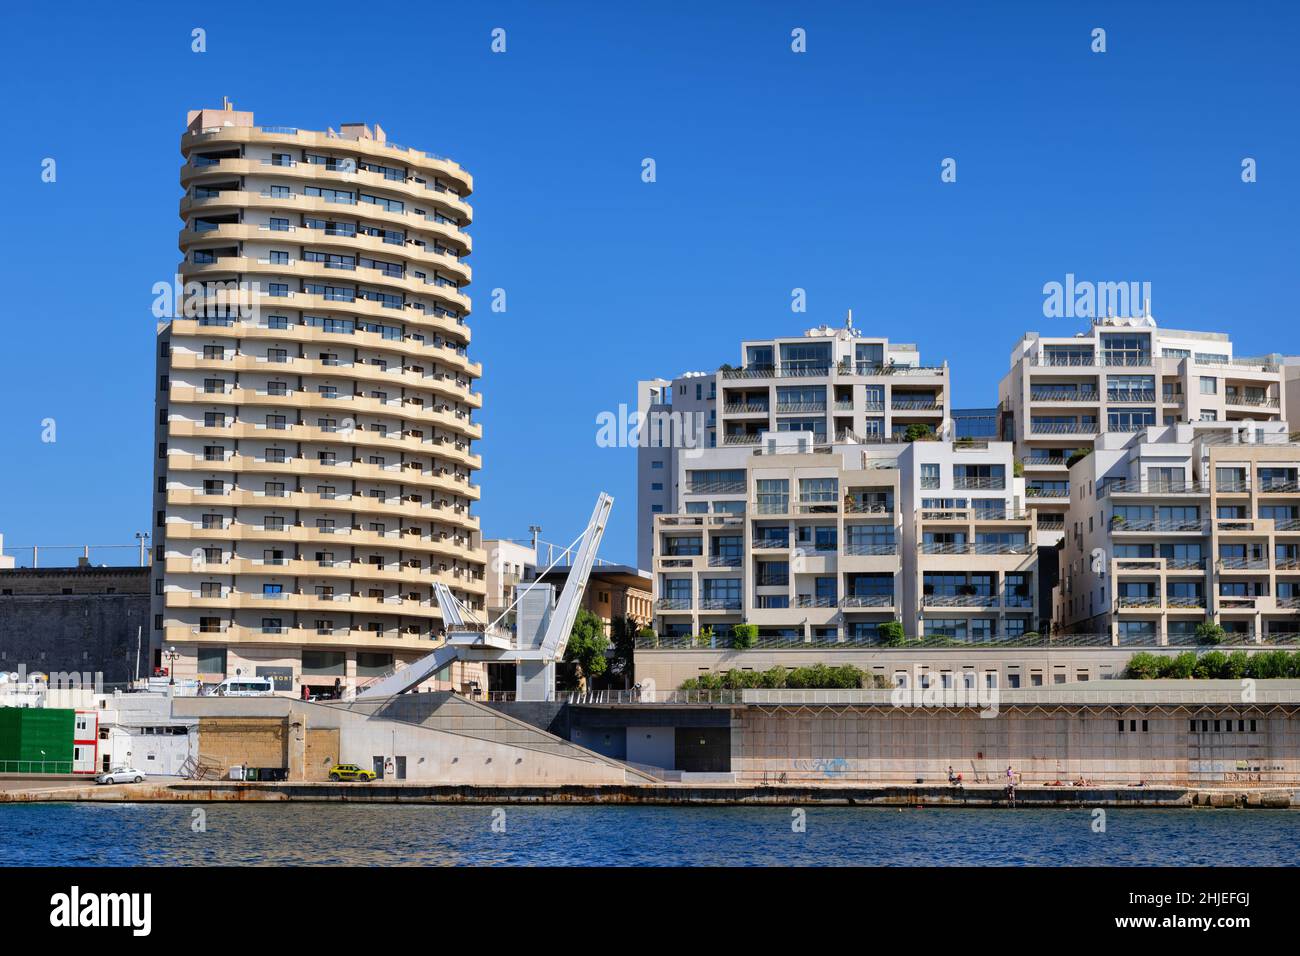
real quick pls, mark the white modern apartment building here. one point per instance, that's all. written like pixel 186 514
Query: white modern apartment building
pixel 315 462
pixel 835 385
pixel 1121 376
pixel 828 542
pixel 1173 525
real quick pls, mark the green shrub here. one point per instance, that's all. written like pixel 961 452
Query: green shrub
pixel 1079 454
pixel 710 681
pixel 918 432
pixel 691 683
pixel 1236 665
pixel 744 636
pixel 891 634
pixel 1269 665
pixel 1211 666
pixel 1207 632
pixel 846 677
pixel 1143 666
pixel 1179 667
pixel 774 677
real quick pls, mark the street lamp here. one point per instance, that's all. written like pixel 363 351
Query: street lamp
pixel 171 654
pixel 142 537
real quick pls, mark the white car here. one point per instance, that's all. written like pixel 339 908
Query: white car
pixel 121 775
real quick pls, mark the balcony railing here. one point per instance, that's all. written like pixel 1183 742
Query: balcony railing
pixel 1127 526
pixel 1063 428
pixel 673 604
pixel 853 507
pixel 1242 564
pixel 745 408
pixel 979 483
pixel 1288 486
pixel 720 604
pixel 1138 487
pixel 870 550
pixel 944 549
pixel 960 600
pixel 867 600
pixel 1122 396
pixel 807 600
pixel 1064 395
pixel 715 487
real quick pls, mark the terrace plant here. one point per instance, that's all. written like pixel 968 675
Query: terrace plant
pixel 891 634
pixel 744 636
pixel 1079 454
pixel 1208 632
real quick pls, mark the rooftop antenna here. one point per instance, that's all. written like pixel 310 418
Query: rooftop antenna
pixel 849 322
pixel 226 104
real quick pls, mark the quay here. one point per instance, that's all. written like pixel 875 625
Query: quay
pixel 654 794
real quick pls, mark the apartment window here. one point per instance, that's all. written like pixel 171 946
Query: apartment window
pixel 273 523
pixel 1209 385
pixel 278 290
pixel 279 225
pixel 214 419
pixel 279 258
pixel 275 455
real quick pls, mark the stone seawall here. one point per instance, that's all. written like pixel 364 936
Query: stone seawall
pixel 663 794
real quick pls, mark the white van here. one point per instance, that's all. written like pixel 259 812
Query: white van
pixel 245 687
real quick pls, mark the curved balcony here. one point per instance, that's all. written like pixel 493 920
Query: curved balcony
pixel 416 256
pixel 444 383
pixel 237 200
pixel 400 473
pixel 302 269
pixel 426 162
pixel 406 189
pixel 407 408
pixel 448 353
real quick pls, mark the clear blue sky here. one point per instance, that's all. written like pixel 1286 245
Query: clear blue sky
pixel 775 171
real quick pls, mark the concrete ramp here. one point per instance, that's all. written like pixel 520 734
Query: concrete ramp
pixel 450 713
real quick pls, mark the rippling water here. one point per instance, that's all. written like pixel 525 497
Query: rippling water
pixel 238 834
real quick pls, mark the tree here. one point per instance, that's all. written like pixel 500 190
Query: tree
pixel 1078 455
pixel 624 632
pixel 918 432
pixel 587 646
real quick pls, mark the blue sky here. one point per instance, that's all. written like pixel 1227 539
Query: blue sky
pixel 775 170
